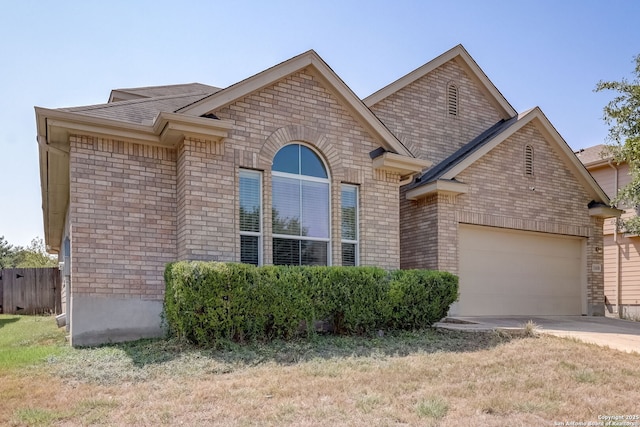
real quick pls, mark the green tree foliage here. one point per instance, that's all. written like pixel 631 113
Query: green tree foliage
pixel 34 255
pixel 622 115
pixel 6 253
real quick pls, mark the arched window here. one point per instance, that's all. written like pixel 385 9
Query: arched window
pixel 528 160
pixel 452 99
pixel 300 207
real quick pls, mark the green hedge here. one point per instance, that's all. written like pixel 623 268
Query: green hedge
pixel 209 302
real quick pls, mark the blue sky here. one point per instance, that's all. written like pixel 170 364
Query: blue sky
pixel 547 53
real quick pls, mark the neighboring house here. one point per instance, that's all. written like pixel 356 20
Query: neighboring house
pixel 621 250
pixel 436 170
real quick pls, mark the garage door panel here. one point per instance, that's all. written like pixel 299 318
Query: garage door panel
pixel 507 272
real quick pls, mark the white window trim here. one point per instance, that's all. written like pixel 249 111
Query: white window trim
pixel 355 242
pixel 260 220
pixel 301 177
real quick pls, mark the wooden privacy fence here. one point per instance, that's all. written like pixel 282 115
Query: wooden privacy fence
pixel 30 290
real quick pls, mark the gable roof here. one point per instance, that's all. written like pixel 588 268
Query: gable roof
pixel 315 65
pixel 449 168
pixel 462 57
pixel 438 171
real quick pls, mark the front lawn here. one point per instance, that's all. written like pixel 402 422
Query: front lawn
pixel 421 378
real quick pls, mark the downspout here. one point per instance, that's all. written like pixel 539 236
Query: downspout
pixel 615 242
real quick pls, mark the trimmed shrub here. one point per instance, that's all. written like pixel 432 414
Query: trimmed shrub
pixel 211 302
pixel 418 298
pixel 351 299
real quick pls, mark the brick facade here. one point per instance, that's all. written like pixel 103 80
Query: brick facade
pixel 300 109
pixel 418 113
pixel 499 192
pixel 136 205
pixel 135 208
pixel 123 217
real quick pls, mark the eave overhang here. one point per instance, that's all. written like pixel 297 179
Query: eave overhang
pixel 441 186
pixel 402 165
pixel 167 129
pixel 54 128
pixel 602 211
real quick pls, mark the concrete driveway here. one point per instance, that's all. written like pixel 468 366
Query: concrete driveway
pixel 619 334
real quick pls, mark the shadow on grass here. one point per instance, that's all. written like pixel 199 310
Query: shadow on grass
pixel 145 359
pixel 6 319
pixel 148 352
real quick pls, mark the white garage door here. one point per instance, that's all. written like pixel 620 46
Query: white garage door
pixel 507 272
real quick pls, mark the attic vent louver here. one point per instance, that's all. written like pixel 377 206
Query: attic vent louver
pixel 528 160
pixel 452 99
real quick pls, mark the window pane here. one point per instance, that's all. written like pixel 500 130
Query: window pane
pixel 313 253
pixel 287 159
pixel 310 163
pixel 315 209
pixel 349 214
pixel 286 206
pixel 286 252
pixel 249 249
pixel 249 201
pixel 348 254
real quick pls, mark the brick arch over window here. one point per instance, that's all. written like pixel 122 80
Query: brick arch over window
pixel 288 134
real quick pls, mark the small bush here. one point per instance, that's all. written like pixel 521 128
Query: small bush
pixel 210 302
pixel 418 298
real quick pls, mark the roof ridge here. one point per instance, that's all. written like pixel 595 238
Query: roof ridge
pixel 130 102
pixel 162 86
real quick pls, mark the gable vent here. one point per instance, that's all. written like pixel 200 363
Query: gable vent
pixel 452 99
pixel 528 160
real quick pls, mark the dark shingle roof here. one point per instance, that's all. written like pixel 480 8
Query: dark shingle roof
pixel 465 151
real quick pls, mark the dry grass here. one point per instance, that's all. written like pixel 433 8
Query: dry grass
pixel 426 378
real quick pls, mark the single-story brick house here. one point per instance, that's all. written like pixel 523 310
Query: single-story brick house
pixel 436 170
pixel 621 249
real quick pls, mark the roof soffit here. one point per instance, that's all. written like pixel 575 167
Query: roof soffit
pixel 462 57
pixel 317 67
pixel 447 187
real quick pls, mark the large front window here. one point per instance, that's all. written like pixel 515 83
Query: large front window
pixel 300 209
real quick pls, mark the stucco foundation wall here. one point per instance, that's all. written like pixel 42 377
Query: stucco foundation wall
pixel 418 113
pixel 101 319
pixel 123 216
